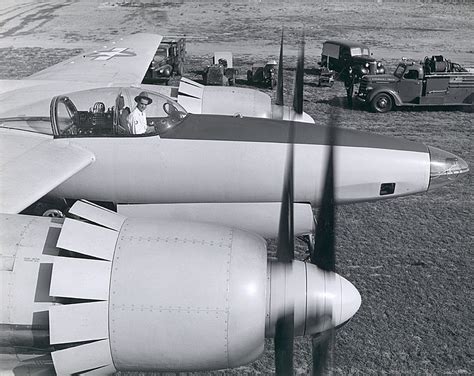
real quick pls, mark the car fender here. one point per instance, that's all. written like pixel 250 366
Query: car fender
pixel 165 70
pixel 396 98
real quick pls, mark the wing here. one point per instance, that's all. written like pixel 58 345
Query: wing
pixel 31 165
pixel 123 62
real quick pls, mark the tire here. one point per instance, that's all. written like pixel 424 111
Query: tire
pixel 381 103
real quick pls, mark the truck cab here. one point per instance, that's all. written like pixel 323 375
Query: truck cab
pixel 349 58
pixel 409 85
pixel 432 82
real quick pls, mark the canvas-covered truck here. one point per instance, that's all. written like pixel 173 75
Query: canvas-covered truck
pixel 432 82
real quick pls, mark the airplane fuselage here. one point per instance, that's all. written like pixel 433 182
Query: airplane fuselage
pixel 223 159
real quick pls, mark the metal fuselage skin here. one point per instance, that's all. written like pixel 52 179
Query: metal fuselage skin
pixel 226 159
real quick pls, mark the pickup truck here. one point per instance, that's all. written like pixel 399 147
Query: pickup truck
pixel 433 82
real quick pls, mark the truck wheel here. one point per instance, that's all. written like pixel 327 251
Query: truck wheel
pixel 382 103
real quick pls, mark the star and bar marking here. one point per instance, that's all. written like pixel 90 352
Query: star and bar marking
pixel 111 53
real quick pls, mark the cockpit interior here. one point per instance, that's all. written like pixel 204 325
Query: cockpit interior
pixel 104 113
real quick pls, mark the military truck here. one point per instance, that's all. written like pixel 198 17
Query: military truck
pixel 169 61
pixel 432 82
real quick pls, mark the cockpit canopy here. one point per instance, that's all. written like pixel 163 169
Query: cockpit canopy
pixel 103 113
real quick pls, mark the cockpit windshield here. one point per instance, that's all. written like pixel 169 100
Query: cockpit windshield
pixel 110 112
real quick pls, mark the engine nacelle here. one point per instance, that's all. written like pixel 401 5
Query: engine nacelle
pixel 141 294
pixel 236 101
pixel 205 312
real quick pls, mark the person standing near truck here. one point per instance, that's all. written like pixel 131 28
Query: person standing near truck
pixel 349 82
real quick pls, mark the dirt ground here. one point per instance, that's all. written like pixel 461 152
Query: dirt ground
pixel 411 258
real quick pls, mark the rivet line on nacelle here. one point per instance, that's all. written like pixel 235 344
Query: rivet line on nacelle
pixel 178 240
pixel 123 307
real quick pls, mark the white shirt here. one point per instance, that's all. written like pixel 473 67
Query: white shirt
pixel 137 122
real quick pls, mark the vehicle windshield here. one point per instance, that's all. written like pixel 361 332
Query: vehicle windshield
pixel 359 51
pixel 399 71
pixel 109 112
pixel 160 55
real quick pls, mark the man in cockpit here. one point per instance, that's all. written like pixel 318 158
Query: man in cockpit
pixel 136 121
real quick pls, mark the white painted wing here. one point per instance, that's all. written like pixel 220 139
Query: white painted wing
pixel 32 164
pixel 122 62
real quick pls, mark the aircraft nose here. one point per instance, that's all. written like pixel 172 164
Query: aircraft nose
pixel 347 303
pixel 445 167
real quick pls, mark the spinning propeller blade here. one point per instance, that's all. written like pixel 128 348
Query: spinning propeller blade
pixel 285 247
pixel 323 348
pixel 298 96
pixel 324 257
pixel 279 93
pixel 284 331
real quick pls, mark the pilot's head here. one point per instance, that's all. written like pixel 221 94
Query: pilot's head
pixel 143 100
